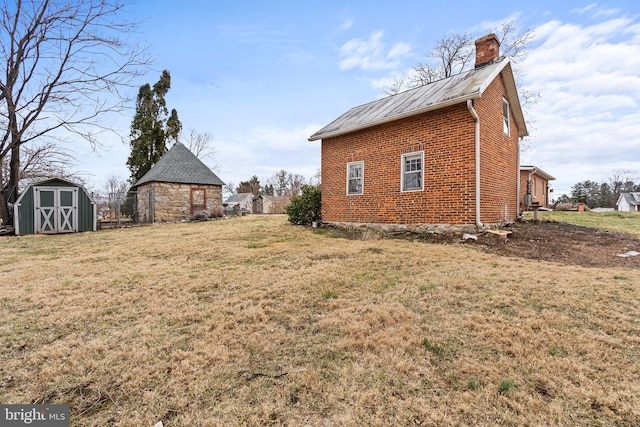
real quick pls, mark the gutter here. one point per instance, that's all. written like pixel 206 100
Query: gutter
pixel 518 212
pixel 476 118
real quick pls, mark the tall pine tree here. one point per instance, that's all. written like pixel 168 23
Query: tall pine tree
pixel 152 127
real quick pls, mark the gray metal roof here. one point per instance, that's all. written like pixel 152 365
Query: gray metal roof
pixel 439 94
pixel 179 165
pixel 538 171
pixel 632 199
pixel 239 197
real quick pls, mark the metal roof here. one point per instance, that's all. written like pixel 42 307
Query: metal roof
pixel 179 165
pixel 632 199
pixel 239 197
pixel 538 171
pixel 439 94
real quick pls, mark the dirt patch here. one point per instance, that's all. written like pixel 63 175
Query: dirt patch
pixel 564 243
pixel 546 240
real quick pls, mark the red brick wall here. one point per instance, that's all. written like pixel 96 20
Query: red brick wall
pixel 447 138
pixel 538 188
pixel 499 158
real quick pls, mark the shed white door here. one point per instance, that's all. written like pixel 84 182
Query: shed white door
pixel 56 209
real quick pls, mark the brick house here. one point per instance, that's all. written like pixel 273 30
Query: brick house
pixel 177 187
pixel 534 187
pixel 444 154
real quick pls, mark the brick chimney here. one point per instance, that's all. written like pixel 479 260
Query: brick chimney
pixel 487 49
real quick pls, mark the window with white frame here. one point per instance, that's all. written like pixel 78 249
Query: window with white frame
pixel 505 117
pixel 355 177
pixel 412 171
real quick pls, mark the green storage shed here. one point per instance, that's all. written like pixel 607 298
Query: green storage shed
pixel 54 206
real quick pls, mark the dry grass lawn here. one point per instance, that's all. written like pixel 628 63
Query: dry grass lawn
pixel 252 321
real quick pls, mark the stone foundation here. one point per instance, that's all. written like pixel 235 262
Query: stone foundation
pixel 418 228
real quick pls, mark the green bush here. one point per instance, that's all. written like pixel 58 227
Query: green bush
pixel 305 208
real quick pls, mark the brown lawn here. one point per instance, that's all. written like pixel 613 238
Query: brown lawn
pixel 252 321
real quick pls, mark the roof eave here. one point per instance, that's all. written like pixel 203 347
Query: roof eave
pixel 514 99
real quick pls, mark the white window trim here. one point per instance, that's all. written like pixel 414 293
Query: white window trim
pixel 361 164
pixel 506 121
pixel 402 172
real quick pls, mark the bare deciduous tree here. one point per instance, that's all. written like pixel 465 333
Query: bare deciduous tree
pixel 64 63
pixel 454 54
pixel 41 161
pixel 229 189
pixel 116 190
pixel 199 143
pixel 286 184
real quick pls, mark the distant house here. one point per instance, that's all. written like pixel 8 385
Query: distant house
pixel 53 206
pixel 628 202
pixel 177 187
pixel 442 154
pixel 534 186
pixel 269 204
pixel 239 204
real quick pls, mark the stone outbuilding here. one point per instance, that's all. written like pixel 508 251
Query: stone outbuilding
pixel 178 187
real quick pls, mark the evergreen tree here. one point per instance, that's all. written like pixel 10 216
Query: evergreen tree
pixel 152 127
pixel 251 186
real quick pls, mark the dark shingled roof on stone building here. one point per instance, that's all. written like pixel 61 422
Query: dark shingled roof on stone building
pixel 180 165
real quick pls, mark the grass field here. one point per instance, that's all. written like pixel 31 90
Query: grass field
pixel 252 321
pixel 626 222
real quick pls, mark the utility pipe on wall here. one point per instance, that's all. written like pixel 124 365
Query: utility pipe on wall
pixel 476 118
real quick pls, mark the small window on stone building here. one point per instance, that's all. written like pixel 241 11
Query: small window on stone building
pixel 355 177
pixel 198 200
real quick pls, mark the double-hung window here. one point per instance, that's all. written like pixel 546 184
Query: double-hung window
pixel 412 171
pixel 505 117
pixel 355 177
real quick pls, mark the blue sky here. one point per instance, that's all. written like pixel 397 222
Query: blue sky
pixel 262 76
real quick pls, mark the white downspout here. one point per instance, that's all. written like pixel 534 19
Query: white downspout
pixel 476 118
pixel 519 214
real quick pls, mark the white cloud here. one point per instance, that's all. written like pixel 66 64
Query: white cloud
pixel 587 121
pixel 585 9
pixel 263 151
pixel 371 54
pixel 282 139
pixel 346 24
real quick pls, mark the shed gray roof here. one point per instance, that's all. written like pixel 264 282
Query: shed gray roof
pixel 439 94
pixel 632 199
pixel 239 197
pixel 179 165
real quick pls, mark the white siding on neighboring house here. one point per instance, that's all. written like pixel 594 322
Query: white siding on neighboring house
pixel 628 202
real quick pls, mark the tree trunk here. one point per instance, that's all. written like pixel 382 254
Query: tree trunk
pixel 10 192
